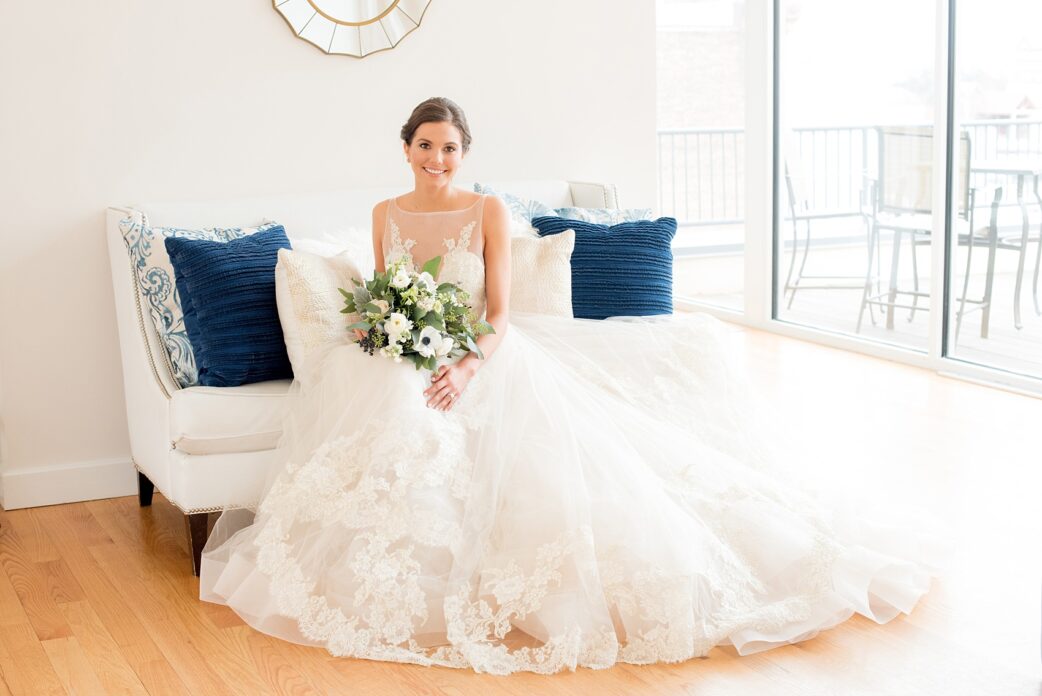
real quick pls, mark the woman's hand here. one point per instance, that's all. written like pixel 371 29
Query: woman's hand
pixel 447 383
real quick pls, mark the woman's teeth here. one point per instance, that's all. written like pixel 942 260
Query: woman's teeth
pixel 433 171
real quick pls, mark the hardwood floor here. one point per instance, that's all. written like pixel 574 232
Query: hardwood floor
pixel 98 597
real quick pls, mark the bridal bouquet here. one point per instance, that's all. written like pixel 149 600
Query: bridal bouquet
pixel 406 315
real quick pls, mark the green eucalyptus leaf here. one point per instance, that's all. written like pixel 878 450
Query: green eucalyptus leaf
pixel 363 325
pixel 434 319
pixel 474 347
pixel 362 296
pixel 432 266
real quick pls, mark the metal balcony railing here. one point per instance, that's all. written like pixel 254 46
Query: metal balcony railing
pixel 701 175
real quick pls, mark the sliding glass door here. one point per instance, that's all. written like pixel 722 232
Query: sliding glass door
pixel 903 145
pixel 856 101
pixel 994 253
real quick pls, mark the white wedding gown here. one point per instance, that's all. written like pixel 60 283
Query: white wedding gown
pixel 597 495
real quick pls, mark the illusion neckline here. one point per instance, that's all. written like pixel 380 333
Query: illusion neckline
pixel 394 201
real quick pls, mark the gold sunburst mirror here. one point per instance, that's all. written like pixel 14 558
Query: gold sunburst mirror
pixel 352 27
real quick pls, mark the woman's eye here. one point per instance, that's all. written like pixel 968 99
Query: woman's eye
pixel 450 149
pixel 424 146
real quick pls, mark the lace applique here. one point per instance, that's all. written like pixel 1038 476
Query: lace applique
pixel 477 628
pixel 365 482
pixel 463 244
pixel 400 249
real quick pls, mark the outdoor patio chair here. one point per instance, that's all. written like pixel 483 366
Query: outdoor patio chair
pixel 902 204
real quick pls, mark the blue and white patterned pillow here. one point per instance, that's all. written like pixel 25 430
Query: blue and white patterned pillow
pixel 521 209
pixel 155 278
pixel 605 216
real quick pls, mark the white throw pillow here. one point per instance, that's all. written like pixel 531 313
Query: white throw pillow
pixel 354 240
pixel 519 228
pixel 309 302
pixel 541 277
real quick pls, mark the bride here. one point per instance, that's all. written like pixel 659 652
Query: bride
pixel 590 492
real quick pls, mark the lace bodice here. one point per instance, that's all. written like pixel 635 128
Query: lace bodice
pixel 455 235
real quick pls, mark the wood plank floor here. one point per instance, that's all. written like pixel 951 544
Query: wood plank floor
pixel 97 597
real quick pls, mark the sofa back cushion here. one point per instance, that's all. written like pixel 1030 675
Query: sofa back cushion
pixel 227 292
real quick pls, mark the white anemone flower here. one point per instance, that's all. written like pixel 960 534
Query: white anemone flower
pixel 426 281
pixel 401 279
pixel 430 339
pixel 397 324
pixel 447 344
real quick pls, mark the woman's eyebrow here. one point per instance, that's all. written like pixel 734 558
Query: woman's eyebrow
pixel 425 140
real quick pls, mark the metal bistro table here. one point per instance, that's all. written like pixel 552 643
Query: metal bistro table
pixel 1020 169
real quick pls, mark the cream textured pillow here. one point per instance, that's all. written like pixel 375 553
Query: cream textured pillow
pixel 541 277
pixel 309 302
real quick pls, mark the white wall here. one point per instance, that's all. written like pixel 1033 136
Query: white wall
pixel 120 101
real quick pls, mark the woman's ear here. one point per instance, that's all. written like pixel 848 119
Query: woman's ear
pixel 405 149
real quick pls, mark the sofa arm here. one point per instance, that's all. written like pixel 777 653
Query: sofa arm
pixel 147 380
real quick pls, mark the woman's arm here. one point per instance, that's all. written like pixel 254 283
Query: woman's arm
pixel 496 231
pixel 379 222
pixel 450 380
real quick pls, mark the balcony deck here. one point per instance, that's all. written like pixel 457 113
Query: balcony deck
pixel 717 279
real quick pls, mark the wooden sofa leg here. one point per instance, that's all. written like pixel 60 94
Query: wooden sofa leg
pixel 145 488
pixel 197 524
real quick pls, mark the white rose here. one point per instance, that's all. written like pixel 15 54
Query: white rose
pixel 401 279
pixel 397 324
pixel 426 281
pixel 447 344
pixel 426 303
pixel 430 339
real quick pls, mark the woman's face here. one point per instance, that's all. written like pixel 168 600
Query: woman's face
pixel 436 152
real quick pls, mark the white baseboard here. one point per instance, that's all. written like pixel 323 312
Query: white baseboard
pixel 67 483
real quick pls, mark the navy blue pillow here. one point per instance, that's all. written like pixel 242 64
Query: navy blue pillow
pixel 618 270
pixel 227 292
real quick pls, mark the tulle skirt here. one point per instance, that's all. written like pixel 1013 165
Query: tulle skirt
pixel 601 492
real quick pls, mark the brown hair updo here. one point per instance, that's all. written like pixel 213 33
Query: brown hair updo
pixel 435 110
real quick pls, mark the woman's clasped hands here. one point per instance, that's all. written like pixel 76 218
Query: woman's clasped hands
pixel 447 383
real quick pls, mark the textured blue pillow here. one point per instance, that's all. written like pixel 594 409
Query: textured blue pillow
pixel 227 292
pixel 618 270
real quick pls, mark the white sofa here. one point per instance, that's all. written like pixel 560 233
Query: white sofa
pixel 205 447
